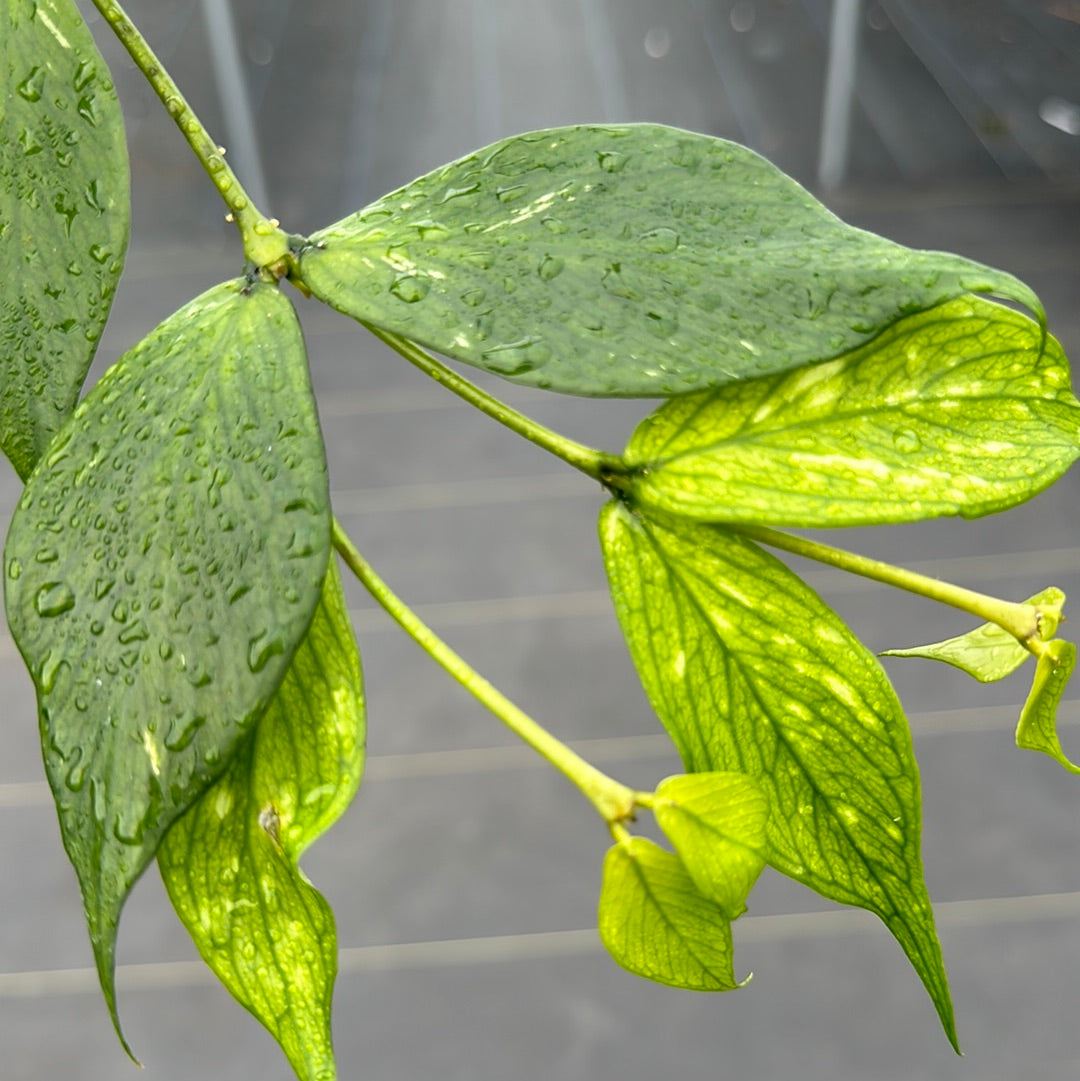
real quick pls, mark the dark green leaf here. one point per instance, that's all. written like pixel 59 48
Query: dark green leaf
pixel 654 922
pixel 63 217
pixel 633 260
pixel 716 821
pixel 162 565
pixel 750 671
pixel 951 411
pixel 229 864
pixel 989 653
pixel 1037 730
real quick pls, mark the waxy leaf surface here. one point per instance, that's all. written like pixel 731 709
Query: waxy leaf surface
pixel 716 821
pixel 162 566
pixel 229 864
pixel 958 410
pixel 634 260
pixel 64 217
pixel 750 671
pixel 1037 730
pixel 654 922
pixel 989 653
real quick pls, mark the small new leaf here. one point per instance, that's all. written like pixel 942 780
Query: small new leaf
pixel 229 864
pixel 989 653
pixel 64 217
pixel 1037 730
pixel 750 671
pixel 655 923
pixel 960 410
pixel 716 821
pixel 622 261
pixel 162 565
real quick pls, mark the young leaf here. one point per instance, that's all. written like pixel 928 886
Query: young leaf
pixel 633 260
pixel 750 671
pixel 1037 730
pixel 716 821
pixel 64 217
pixel 958 410
pixel 229 863
pixel 989 653
pixel 654 922
pixel 162 565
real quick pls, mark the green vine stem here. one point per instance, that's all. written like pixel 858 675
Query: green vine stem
pixel 615 802
pixel 1023 621
pixel 603 467
pixel 265 244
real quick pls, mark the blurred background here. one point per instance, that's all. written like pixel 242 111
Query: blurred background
pixel 465 875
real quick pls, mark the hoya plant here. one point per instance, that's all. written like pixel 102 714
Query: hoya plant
pixel 172 575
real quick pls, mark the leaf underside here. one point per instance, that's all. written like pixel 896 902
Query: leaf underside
pixel 654 922
pixel 1037 729
pixel 960 410
pixel 162 565
pixel 989 653
pixel 716 822
pixel 623 261
pixel 64 217
pixel 229 863
pixel 750 671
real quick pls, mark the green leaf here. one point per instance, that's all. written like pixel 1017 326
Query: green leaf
pixel 64 217
pixel 716 821
pixel 162 565
pixel 989 653
pixel 959 410
pixel 624 261
pixel 1037 730
pixel 751 672
pixel 229 863
pixel 654 922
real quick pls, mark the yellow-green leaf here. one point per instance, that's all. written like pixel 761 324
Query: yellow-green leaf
pixel 229 864
pixel 960 410
pixel 1037 730
pixel 750 671
pixel 716 821
pixel 989 653
pixel 655 923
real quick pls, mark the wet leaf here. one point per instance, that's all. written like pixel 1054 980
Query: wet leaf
pixel 633 260
pixel 716 821
pixel 162 565
pixel 952 411
pixel 989 653
pixel 750 671
pixel 654 922
pixel 1037 730
pixel 229 863
pixel 64 217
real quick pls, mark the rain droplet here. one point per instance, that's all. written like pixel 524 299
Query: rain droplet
pixel 262 647
pixel 14 569
pixel 53 599
pixel 517 358
pixel 510 193
pixel 181 733
pixel 32 87
pixel 906 440
pixel 661 240
pixel 409 288
pixel 550 267
pixel 76 774
pixel 49 671
pixel 473 297
pixel 432 230
pixel 612 161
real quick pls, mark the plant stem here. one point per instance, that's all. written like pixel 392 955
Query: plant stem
pixel 615 802
pixel 265 244
pixel 1022 621
pixel 605 468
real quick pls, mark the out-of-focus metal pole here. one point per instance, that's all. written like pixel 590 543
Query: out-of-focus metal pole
pixel 240 136
pixel 839 91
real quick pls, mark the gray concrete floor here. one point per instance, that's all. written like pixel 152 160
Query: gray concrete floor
pixel 465 875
